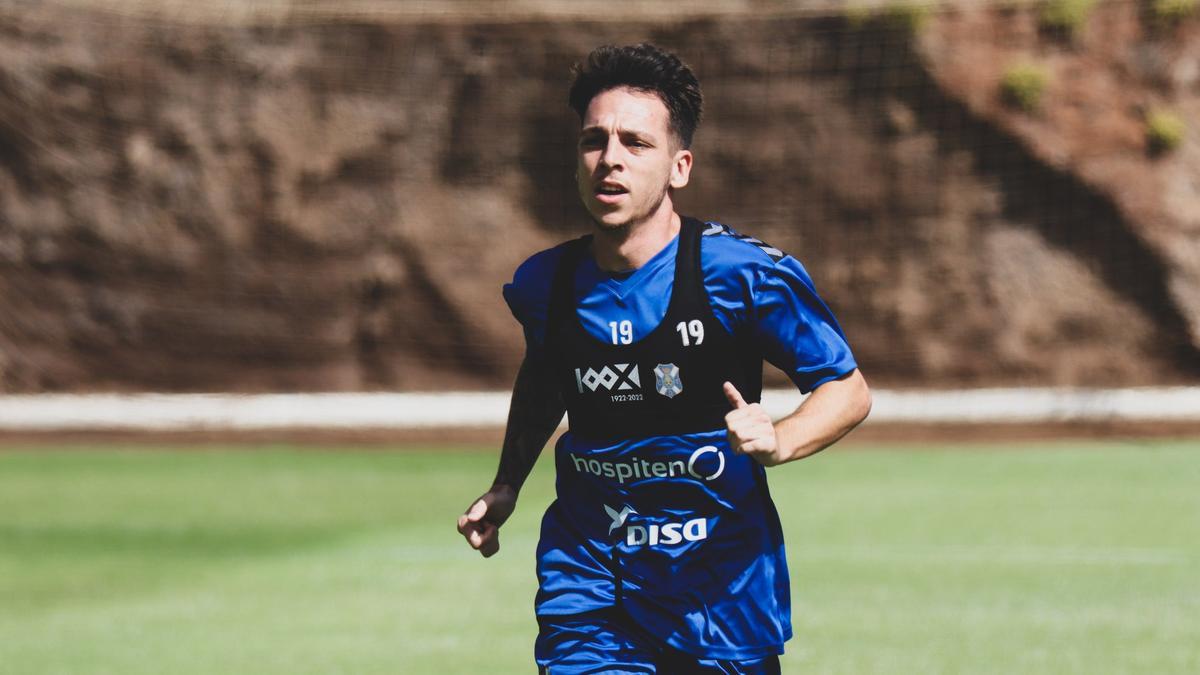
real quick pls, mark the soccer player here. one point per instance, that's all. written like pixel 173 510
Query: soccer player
pixel 663 550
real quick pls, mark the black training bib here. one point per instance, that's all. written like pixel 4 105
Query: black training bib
pixel 669 382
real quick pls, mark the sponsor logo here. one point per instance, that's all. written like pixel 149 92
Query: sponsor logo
pixel 698 465
pixel 666 380
pixel 656 534
pixel 618 517
pixel 618 377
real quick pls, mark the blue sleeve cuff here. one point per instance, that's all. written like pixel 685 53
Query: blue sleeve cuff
pixel 806 382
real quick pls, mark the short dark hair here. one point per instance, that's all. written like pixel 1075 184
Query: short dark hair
pixel 642 67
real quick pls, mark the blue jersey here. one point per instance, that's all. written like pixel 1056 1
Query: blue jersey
pixel 677 529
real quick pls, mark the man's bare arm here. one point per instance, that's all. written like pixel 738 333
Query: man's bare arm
pixel 829 412
pixel 533 415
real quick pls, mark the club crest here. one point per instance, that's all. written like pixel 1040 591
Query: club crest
pixel 666 380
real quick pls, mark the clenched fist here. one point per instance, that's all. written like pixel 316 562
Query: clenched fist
pixel 751 431
pixel 480 525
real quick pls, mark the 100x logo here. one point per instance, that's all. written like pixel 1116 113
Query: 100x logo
pixel 656 534
pixel 621 380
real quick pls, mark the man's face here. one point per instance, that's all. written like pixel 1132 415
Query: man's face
pixel 628 157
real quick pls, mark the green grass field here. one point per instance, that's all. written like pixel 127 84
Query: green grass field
pixel 1040 558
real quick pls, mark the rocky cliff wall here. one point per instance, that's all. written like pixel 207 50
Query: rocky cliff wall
pixel 333 205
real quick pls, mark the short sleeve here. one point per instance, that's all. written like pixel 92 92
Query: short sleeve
pixel 794 328
pixel 757 289
pixel 528 296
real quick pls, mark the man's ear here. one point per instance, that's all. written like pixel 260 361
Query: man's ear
pixel 681 169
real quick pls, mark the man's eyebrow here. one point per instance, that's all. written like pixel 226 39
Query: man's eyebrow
pixel 636 133
pixel 597 129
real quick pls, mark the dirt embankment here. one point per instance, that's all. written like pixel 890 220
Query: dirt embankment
pixel 334 205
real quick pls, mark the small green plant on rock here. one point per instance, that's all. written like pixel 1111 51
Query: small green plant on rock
pixel 1023 85
pixel 1165 131
pixel 857 15
pixel 911 15
pixel 1067 16
pixel 1173 11
pixel 1014 5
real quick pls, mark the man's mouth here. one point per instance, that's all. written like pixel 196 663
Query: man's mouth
pixel 610 193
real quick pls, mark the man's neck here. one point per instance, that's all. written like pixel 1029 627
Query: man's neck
pixel 630 247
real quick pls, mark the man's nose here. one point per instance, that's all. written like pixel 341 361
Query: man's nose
pixel 611 156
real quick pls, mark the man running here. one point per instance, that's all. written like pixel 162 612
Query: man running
pixel 663 551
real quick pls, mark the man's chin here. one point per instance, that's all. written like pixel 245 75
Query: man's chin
pixel 610 221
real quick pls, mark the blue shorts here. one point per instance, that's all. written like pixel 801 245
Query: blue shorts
pixel 608 642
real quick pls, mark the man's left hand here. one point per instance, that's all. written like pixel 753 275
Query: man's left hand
pixel 750 429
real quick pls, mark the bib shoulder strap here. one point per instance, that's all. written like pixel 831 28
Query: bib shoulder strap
pixel 688 294
pixel 562 285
